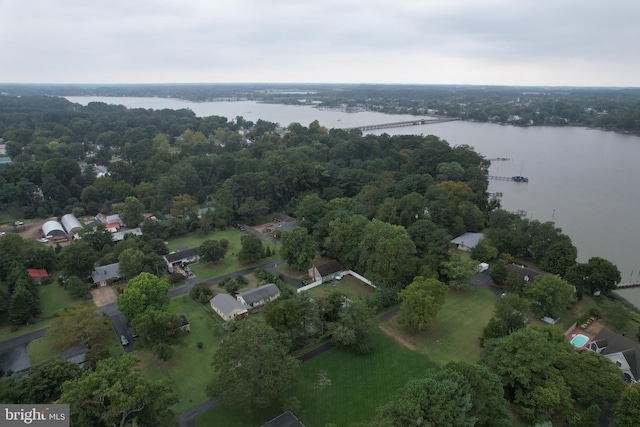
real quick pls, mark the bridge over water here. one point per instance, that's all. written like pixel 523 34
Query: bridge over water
pixel 418 122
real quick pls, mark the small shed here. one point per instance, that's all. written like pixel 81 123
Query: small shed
pixel 37 274
pixel 71 223
pixel 53 229
pixel 286 419
pixel 185 326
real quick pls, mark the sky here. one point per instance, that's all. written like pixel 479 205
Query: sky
pixel 480 42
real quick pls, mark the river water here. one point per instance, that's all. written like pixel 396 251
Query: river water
pixel 586 181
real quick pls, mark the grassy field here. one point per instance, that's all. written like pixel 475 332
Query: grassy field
pixel 460 322
pixel 52 298
pixel 338 387
pixel 189 370
pixel 349 285
pixel 46 348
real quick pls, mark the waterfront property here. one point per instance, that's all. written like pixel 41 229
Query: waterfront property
pixel 620 350
pixel 467 241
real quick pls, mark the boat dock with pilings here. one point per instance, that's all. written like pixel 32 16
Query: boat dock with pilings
pixel 628 285
pixel 517 178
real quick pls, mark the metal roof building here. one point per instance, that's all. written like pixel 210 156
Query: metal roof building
pixel 53 228
pixel 71 223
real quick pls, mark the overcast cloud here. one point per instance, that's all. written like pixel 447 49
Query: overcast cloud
pixel 498 42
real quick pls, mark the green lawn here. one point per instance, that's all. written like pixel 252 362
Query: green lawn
pixel 338 387
pixel 460 322
pixel 349 285
pixel 46 348
pixel 189 370
pixel 194 240
pixel 227 265
pixel 53 298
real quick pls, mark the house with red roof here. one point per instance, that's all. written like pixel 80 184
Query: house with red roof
pixel 37 274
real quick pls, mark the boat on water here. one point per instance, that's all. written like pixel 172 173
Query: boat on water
pixel 520 178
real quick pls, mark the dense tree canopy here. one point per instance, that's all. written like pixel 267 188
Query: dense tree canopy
pixel 254 375
pixel 115 394
pixel 211 251
pixel 81 324
pixel 158 330
pixel 298 248
pixel 420 303
pixel 142 292
pixel 44 383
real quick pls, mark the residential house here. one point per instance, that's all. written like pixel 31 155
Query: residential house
pixel 259 296
pixel 119 235
pixel 76 354
pixel 102 275
pixel 286 419
pixel 620 350
pixel 527 274
pixel 228 307
pixel 326 271
pixel 181 256
pixel 37 274
pixel 185 326
pixel 467 241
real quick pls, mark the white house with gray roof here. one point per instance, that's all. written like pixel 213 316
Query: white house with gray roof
pixel 227 306
pixel 620 350
pixel 259 296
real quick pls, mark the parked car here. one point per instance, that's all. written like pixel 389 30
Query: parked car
pixel 43 240
pixel 123 340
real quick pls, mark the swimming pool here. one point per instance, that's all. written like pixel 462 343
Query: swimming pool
pixel 579 340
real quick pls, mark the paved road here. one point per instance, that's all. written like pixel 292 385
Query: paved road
pixel 483 279
pixel 13 352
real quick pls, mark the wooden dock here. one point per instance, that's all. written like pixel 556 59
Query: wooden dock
pixel 499 159
pixel 628 285
pixel 516 178
pixel 498 194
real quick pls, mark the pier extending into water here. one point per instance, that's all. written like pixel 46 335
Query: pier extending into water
pixel 417 122
pixel 516 178
pixel 628 285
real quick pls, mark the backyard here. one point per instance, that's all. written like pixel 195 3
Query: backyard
pixel 348 285
pixel 459 325
pixel 338 387
pixel 53 298
pixel 189 370
pixel 228 264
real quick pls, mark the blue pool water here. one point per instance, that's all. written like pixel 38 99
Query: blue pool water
pixel 579 340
